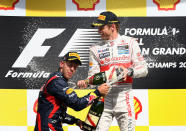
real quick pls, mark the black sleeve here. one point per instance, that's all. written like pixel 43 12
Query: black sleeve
pixel 68 96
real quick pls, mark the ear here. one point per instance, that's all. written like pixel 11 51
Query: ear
pixel 113 26
pixel 61 64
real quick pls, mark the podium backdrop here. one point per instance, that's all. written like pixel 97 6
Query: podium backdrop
pixel 34 35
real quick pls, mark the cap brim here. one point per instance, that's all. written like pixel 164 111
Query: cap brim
pixel 79 62
pixel 96 24
pixel 76 60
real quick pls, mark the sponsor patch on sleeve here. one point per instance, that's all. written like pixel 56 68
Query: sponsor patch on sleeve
pixel 91 98
pixel 69 91
pixel 90 64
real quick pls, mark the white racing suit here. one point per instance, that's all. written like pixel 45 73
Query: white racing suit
pixel 123 51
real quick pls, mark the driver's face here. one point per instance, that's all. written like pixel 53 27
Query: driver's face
pixel 105 32
pixel 68 68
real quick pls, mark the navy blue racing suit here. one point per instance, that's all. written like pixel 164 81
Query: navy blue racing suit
pixel 54 98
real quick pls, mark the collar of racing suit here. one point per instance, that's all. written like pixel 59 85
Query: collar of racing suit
pixel 111 42
pixel 61 75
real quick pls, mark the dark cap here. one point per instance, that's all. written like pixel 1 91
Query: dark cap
pixel 105 18
pixel 72 56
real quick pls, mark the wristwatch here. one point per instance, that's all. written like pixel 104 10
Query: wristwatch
pixel 130 72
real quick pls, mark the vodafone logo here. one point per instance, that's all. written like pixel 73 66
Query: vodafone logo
pixel 166 5
pixel 85 4
pixel 8 4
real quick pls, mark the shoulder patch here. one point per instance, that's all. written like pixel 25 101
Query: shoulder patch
pixel 69 91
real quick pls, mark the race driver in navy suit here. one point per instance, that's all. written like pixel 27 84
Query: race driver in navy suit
pixel 55 96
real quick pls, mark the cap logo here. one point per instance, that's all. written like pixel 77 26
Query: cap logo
pixel 75 55
pixel 101 17
pixel 166 4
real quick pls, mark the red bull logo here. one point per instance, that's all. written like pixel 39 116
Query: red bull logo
pixel 86 4
pixel 137 107
pixel 8 4
pixel 166 4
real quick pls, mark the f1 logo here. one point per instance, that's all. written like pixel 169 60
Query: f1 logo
pixel 34 48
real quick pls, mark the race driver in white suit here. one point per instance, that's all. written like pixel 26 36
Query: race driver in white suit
pixel 122 51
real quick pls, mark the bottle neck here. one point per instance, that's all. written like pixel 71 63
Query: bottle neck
pixel 87 81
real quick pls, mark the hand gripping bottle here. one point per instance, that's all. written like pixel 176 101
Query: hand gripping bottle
pixel 94 115
pixel 113 75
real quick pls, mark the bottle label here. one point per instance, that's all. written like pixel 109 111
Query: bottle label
pixel 99 78
pixel 111 74
pixel 114 74
pixel 88 128
pixel 101 99
pixel 92 120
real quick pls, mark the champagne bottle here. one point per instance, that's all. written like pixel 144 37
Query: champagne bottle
pixel 94 115
pixel 97 79
pixel 113 75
